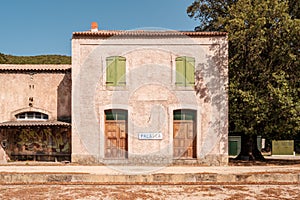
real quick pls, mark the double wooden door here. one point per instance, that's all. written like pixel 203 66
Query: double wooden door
pixel 184 139
pixel 116 145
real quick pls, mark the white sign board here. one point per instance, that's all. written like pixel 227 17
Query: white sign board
pixel 150 136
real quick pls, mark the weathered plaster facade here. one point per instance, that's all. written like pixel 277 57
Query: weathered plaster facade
pixel 150 96
pixel 35 111
pixel 49 86
pixel 147 119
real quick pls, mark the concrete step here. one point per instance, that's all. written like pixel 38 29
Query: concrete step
pixel 142 175
pixel 55 178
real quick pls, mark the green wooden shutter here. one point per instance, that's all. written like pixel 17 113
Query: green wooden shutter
pixel 121 71
pixel 110 71
pixel 190 71
pixel 180 71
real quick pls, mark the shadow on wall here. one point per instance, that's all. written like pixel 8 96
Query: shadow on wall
pixel 64 99
pixel 211 85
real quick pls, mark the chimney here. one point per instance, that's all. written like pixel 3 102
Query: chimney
pixel 94 27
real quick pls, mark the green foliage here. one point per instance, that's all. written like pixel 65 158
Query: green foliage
pixel 42 59
pixel 294 9
pixel 208 12
pixel 2 58
pixel 264 68
pixel 285 100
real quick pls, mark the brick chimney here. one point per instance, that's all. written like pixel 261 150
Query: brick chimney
pixel 94 27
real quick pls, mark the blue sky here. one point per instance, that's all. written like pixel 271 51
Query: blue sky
pixel 35 27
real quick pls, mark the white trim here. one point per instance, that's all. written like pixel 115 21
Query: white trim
pixel 44 117
pixel 31 109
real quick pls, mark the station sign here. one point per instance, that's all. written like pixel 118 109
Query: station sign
pixel 150 136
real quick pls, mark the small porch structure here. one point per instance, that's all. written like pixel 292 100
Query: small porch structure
pixel 36 140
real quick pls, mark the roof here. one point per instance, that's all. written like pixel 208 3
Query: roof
pixel 33 123
pixel 34 67
pixel 108 33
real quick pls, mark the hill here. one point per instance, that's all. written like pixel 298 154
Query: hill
pixel 40 59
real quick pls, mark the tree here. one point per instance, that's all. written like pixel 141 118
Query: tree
pixel 208 13
pixel 263 67
pixel 2 58
pixel 294 9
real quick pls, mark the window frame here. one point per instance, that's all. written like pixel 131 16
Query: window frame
pixel 115 71
pixel 184 79
pixel 32 116
pixel 185 114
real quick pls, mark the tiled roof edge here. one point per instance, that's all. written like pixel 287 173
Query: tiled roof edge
pixel 34 67
pixel 108 33
pixel 33 123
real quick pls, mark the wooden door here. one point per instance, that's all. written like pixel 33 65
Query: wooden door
pixel 184 140
pixel 116 139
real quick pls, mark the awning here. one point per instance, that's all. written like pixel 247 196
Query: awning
pixel 34 123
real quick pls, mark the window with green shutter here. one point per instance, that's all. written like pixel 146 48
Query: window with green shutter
pixel 185 69
pixel 116 71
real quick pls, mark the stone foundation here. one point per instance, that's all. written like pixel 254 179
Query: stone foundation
pixel 84 159
pixel 209 160
pixel 150 160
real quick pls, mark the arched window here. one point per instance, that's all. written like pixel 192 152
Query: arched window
pixel 32 116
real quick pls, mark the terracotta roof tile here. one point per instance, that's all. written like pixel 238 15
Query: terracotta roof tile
pixel 33 123
pixel 35 67
pixel 108 33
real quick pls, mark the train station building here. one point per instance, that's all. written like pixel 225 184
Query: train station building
pixel 139 97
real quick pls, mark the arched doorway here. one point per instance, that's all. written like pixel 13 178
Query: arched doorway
pixel 116 137
pixel 184 134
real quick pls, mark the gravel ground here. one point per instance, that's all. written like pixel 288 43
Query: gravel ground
pixel 141 192
pixel 118 170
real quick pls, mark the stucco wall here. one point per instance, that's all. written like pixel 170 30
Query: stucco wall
pixel 51 93
pixel 150 97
